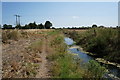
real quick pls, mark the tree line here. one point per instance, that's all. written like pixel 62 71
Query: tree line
pixel 48 25
pixel 33 25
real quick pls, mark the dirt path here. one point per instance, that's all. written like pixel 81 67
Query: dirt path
pixel 43 70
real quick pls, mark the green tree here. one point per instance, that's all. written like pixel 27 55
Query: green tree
pixel 101 26
pixel 48 24
pixel 41 26
pixel 32 25
pixel 94 26
pixel 18 26
pixel 5 26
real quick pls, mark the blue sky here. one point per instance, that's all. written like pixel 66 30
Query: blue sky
pixel 62 14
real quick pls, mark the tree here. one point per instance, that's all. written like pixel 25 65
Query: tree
pixel 48 24
pixel 41 26
pixel 101 26
pixel 5 26
pixel 18 26
pixel 26 27
pixel 0 26
pixel 32 25
pixel 35 25
pixel 117 26
pixel 94 26
pixel 53 27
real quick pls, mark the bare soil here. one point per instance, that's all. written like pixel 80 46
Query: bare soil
pixel 18 60
pixel 43 70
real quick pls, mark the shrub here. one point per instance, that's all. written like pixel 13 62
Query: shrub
pixel 96 70
pixel 103 42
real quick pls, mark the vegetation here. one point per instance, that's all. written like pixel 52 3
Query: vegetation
pixel 15 35
pixel 96 69
pixel 33 25
pixel 36 46
pixel 103 42
pixel 63 64
pixel 94 26
pixel 5 26
pixel 48 24
pixel 10 35
pixel 21 58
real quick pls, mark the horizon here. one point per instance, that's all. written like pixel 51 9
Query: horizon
pixel 62 14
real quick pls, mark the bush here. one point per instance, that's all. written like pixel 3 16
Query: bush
pixel 96 70
pixel 103 42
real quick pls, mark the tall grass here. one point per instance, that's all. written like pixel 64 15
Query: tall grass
pixel 104 42
pixel 63 64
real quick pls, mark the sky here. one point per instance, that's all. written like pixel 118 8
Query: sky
pixel 119 13
pixel 62 14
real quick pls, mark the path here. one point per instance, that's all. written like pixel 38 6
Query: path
pixel 43 70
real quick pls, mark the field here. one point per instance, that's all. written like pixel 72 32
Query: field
pixel 43 54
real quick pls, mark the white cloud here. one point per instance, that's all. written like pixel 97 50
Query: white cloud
pixel 75 17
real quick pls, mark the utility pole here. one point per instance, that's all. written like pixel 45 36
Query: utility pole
pixel 16 19
pixel 19 20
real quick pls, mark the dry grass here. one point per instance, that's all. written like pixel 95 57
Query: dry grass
pixel 36 46
pixel 23 62
pixel 13 35
pixel 10 35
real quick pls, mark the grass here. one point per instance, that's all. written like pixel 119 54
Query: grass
pixel 10 35
pixel 14 35
pixel 103 42
pixel 36 46
pixel 96 70
pixel 63 64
